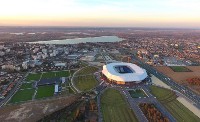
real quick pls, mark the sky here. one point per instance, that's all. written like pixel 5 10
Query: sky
pixel 101 13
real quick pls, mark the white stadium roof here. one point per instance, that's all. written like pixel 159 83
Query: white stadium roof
pixel 116 71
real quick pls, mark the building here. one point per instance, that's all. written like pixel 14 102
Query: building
pixel 127 74
pixel 73 56
pixel 49 81
pixel 56 89
pixel 60 64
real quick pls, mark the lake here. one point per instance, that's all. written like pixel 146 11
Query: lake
pixel 82 40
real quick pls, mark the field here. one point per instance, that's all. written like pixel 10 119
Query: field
pixel 180 69
pixel 181 77
pixel 26 86
pixel 33 77
pixel 63 74
pixel 45 75
pixel 87 82
pixel 22 95
pixel 45 91
pixel 27 91
pixel 87 70
pixel 137 93
pixel 114 107
pixel 178 110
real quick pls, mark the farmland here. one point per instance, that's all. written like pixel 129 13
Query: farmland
pixel 180 69
pixel 181 77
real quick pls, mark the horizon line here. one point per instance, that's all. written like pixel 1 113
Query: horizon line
pixel 131 27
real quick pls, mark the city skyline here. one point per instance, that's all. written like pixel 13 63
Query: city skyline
pixel 101 13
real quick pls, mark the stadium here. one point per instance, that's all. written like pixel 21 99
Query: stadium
pixel 127 74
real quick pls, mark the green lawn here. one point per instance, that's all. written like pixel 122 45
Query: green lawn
pixel 45 91
pixel 22 95
pixel 46 75
pixel 87 70
pixel 137 93
pixel 63 74
pixel 54 74
pixel 85 83
pixel 114 107
pixel 26 86
pixel 180 69
pixel 33 77
pixel 178 110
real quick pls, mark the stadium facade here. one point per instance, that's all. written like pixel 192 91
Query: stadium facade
pixel 127 74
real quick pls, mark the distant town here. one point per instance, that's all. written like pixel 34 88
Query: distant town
pixel 69 81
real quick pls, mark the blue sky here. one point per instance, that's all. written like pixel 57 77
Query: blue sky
pixel 136 13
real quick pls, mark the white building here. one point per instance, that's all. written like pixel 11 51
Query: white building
pixel 60 64
pixel 124 73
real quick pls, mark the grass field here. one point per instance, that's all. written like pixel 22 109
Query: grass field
pixel 22 95
pixel 178 110
pixel 63 74
pixel 87 70
pixel 55 74
pixel 45 75
pixel 26 86
pixel 33 77
pixel 180 69
pixel 85 83
pixel 45 91
pixel 114 107
pixel 27 91
pixel 137 93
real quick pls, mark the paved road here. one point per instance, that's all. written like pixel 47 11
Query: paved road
pixel 134 103
pixel 158 104
pixel 134 106
pixel 100 116
pixel 13 91
pixel 182 89
pixel 72 80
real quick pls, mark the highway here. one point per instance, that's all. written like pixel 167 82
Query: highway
pixel 182 89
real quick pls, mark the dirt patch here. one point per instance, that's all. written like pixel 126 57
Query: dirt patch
pixel 33 111
pixel 181 77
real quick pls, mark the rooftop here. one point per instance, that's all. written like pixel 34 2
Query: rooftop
pixel 124 72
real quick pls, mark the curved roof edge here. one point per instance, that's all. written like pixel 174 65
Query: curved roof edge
pixel 139 74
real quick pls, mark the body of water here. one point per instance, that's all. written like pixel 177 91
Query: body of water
pixel 82 40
